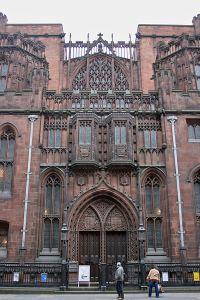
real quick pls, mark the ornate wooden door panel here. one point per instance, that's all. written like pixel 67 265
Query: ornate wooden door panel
pixel 89 251
pixel 116 247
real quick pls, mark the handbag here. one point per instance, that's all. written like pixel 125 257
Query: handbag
pixel 160 288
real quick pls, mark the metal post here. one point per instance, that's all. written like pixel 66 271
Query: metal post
pixel 141 239
pixel 64 267
pixel 172 120
pixel 32 119
pixel 102 276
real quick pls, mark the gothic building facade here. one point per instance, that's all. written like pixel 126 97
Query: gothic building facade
pixel 99 146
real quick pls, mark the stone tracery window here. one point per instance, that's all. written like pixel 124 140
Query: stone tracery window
pixel 153 212
pixel 193 130
pixel 7 145
pixel 52 213
pixel 100 76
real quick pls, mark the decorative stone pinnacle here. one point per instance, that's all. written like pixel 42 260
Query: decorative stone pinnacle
pixel 3 19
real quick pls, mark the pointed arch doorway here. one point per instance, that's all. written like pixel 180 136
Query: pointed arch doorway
pixel 105 232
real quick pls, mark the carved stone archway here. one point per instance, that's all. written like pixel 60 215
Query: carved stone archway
pixel 104 215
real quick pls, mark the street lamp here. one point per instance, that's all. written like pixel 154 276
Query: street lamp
pixel 64 267
pixel 142 239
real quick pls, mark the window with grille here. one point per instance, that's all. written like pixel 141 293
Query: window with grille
pixel 120 134
pixel 197 73
pixel 3 76
pixel 193 130
pixel 7 145
pixel 153 212
pixel 52 213
pixel 85 132
pixel 197 192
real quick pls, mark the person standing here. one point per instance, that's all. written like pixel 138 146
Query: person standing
pixel 119 278
pixel 153 279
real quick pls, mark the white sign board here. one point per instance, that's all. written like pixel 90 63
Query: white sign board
pixel 84 274
pixel 165 276
pixel 16 276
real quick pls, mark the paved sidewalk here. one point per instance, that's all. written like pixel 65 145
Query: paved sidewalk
pixel 170 296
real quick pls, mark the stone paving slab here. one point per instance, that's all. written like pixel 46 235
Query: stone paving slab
pixel 166 296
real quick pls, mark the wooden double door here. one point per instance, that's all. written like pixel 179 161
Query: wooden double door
pixel 91 249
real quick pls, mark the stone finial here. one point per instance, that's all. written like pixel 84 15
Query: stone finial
pixel 3 19
pixel 196 23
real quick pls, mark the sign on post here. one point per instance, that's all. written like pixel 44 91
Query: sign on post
pixel 165 276
pixel 196 276
pixel 16 277
pixel 43 277
pixel 84 274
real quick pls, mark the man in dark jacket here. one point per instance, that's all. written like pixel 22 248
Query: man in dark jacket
pixel 119 278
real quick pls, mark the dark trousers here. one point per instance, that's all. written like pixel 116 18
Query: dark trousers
pixel 119 288
pixel 151 284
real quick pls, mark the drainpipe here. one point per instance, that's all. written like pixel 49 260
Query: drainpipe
pixel 172 120
pixel 32 119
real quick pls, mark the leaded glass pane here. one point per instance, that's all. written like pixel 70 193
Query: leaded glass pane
pixel 57 199
pixel 123 135
pixel 11 148
pixel 47 233
pixel 147 139
pixel 8 177
pixel 197 131
pixel 158 233
pixel 117 135
pixel 88 135
pixel 156 197
pixel 198 84
pixel 51 138
pixel 2 84
pixel 4 70
pixel 197 196
pixel 48 202
pixel 58 138
pixel 81 135
pixel 153 139
pixel 197 70
pixel 191 133
pixel 2 176
pixel 148 199
pixel 3 149
pixel 150 234
pixel 55 241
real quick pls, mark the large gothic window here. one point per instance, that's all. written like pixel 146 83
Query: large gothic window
pixel 3 75
pixel 7 145
pixel 100 75
pixel 153 212
pixel 51 213
pixel 193 129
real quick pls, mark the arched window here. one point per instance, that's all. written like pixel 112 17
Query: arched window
pixel 52 213
pixel 197 73
pixel 7 145
pixel 153 212
pixel 197 192
pixel 3 239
